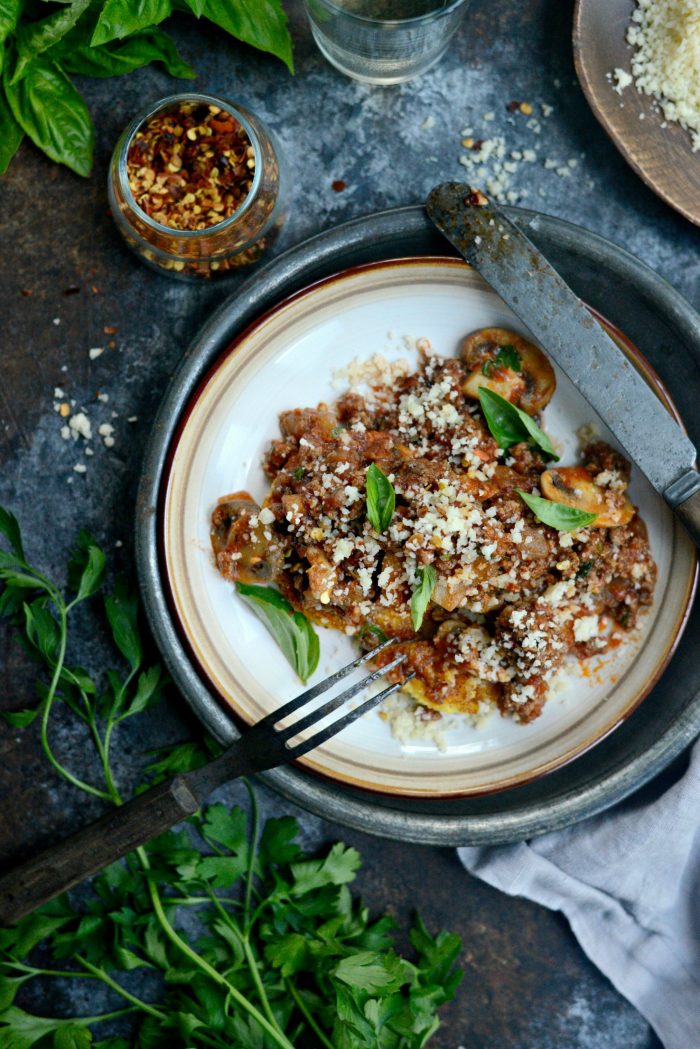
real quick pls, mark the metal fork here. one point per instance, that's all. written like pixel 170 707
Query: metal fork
pixel 262 746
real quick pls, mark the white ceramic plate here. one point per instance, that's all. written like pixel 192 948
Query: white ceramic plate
pixel 286 360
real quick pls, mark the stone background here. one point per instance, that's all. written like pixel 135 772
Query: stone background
pixel 527 984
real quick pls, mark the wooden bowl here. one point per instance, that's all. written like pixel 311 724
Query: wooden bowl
pixel 662 156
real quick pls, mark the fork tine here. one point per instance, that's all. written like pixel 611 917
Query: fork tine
pixel 323 686
pixel 332 730
pixel 337 701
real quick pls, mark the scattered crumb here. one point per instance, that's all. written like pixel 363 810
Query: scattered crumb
pixel 96 352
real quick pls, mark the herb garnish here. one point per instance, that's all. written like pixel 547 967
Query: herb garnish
pixel 509 425
pixel 507 357
pixel 101 38
pixel 556 515
pixel 299 473
pixel 291 630
pixel 381 498
pixel 427 578
pixel 584 569
pixel 375 631
pixel 284 956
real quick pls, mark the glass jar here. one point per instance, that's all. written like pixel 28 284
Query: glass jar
pixel 236 241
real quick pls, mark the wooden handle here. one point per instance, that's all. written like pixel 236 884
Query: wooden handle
pixel 114 835
pixel 689 513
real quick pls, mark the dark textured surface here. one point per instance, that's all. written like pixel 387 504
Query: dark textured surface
pixel 527 985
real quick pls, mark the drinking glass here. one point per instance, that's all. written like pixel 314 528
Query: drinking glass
pixel 383 41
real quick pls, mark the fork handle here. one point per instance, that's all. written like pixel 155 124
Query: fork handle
pixel 121 830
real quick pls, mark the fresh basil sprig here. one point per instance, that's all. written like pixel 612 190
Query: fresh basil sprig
pixel 427 578
pixel 507 357
pixel 556 515
pixel 291 630
pixel 509 425
pixel 101 38
pixel 381 498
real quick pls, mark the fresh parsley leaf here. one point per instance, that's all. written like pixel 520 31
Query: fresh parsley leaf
pixel 507 357
pixel 282 939
pixel 291 630
pixel 427 579
pixel 86 566
pixel 120 18
pixel 9 527
pixel 121 607
pixel 289 954
pixel 556 515
pixel 53 114
pixel 299 473
pixel 339 867
pixel 381 498
pixel 509 425
pixel 371 972
pixel 19 718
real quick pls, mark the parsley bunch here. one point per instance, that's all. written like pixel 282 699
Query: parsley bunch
pixel 43 45
pixel 254 944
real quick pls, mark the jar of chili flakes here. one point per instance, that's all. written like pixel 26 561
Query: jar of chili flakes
pixel 195 186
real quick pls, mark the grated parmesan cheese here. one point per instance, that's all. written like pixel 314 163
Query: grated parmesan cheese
pixel 665 35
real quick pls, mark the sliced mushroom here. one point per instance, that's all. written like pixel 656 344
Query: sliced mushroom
pixel 531 388
pixel 242 552
pixel 574 486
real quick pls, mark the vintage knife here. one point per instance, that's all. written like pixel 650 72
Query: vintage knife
pixel 516 269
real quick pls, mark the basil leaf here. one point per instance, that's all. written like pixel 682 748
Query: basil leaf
pixel 120 18
pixel 53 114
pixel 196 7
pixel 144 47
pixel 261 23
pixel 36 37
pixel 11 133
pixel 556 515
pixel 509 425
pixel 291 630
pixel 10 11
pixel 427 578
pixel 381 498
pixel 375 631
pixel 507 357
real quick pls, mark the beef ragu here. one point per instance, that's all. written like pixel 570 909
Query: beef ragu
pixel 506 596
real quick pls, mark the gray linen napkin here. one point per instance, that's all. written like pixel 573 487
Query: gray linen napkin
pixel 629 883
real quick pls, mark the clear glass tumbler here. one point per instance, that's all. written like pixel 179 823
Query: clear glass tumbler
pixel 383 41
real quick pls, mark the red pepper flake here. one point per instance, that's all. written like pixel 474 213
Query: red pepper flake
pixel 26 293
pixel 338 185
pixel 95 290
pixel 520 107
pixel 109 330
pixel 72 289
pixel 191 167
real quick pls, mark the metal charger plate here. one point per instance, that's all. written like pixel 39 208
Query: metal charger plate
pixel 664 327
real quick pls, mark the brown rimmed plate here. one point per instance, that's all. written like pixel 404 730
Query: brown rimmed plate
pixel 661 156
pixel 287 359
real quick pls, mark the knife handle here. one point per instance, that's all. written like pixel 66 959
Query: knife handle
pixel 689 513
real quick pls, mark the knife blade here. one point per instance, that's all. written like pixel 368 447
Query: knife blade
pixel 559 321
